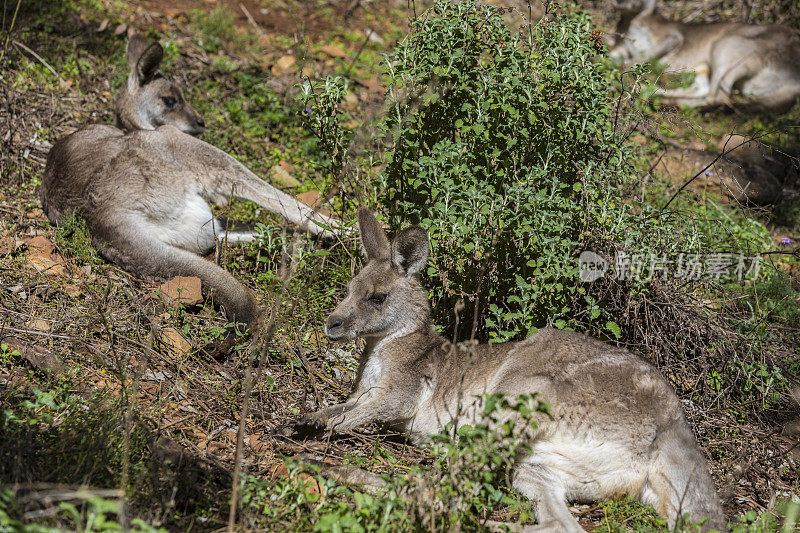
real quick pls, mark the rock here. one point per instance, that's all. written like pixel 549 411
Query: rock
pixel 314 200
pixel 39 244
pixel 182 290
pixel 39 324
pixel 311 484
pixel 308 72
pixel 39 357
pixel 333 50
pixel 373 36
pixel 351 99
pixel 283 66
pixel 282 176
pixel 73 291
pixel 7 244
pixel 39 254
pixel 310 198
pixel 176 343
pixel 373 85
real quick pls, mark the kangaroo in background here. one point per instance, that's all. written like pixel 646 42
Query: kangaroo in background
pixel 617 429
pixel 762 62
pixel 143 187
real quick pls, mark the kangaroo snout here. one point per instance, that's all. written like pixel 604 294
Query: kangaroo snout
pixel 196 126
pixel 335 328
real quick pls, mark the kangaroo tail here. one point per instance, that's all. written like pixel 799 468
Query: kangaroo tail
pixel 137 251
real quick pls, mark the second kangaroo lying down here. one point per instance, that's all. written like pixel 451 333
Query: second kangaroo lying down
pixel 761 61
pixel 144 192
pixel 617 430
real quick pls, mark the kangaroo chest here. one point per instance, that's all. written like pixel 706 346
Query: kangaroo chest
pixel 186 222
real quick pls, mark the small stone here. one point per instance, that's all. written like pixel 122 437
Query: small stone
pixel 39 324
pixel 282 176
pixel 310 198
pixel 186 290
pixel 7 244
pixel 283 65
pixel 351 99
pixel 176 343
pixel 373 36
pixel 39 244
pixel 333 50
pixel 73 291
pixel 45 265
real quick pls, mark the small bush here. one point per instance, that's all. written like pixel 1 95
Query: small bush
pixel 504 148
pixel 73 235
pixel 458 493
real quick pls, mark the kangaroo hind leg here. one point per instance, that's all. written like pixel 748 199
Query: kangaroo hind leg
pixel 233 232
pixel 698 90
pixel 678 483
pixel 542 486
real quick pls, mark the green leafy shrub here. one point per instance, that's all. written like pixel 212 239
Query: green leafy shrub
pixel 504 148
pixel 73 235
pixel 463 487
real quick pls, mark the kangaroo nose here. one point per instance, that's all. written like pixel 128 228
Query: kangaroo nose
pixel 201 122
pixel 334 323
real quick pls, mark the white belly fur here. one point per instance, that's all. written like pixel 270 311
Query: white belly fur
pixel 189 225
pixel 590 469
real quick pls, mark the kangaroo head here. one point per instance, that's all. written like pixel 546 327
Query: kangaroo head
pixel 150 100
pixel 385 297
pixel 636 6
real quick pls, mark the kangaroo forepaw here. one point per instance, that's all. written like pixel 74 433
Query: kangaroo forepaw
pixel 309 425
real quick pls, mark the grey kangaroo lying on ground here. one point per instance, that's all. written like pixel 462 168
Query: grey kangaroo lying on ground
pixel 143 187
pixel 617 429
pixel 762 62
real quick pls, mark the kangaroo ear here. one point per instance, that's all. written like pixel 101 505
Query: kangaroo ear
pixel 148 63
pixel 137 44
pixel 373 238
pixel 410 250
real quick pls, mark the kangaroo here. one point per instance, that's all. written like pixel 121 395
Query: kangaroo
pixel 143 187
pixel 149 99
pixel 762 62
pixel 617 427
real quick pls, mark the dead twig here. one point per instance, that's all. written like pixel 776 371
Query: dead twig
pixel 260 345
pixel 256 26
pixel 41 60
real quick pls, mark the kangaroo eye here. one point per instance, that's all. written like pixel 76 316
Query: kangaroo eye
pixel 168 101
pixel 377 298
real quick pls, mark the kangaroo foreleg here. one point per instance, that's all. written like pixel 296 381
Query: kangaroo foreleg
pixel 666 45
pixel 256 190
pixel 318 420
pixel 223 176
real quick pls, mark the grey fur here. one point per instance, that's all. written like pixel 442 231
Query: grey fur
pixel 143 187
pixel 762 62
pixel 618 429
